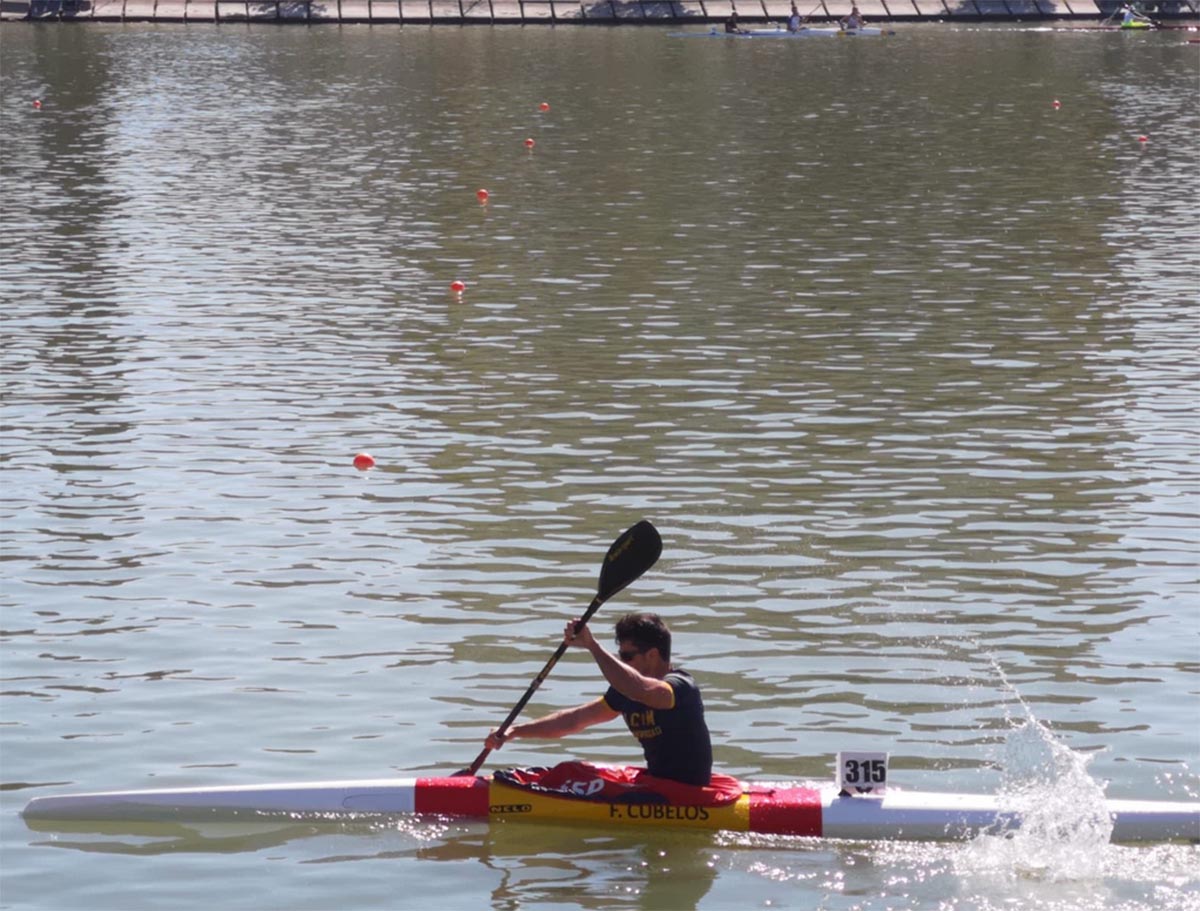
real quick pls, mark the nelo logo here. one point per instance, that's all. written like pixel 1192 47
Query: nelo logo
pixel 511 808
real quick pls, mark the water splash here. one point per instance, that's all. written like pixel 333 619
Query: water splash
pixel 1065 827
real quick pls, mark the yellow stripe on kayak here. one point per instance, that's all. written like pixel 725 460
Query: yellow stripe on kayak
pixel 507 802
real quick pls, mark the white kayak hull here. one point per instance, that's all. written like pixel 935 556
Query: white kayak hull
pixel 815 811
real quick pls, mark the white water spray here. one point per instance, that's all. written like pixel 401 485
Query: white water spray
pixel 1065 828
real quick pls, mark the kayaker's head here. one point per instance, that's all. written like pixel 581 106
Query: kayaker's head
pixel 644 643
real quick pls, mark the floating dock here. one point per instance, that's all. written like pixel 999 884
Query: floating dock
pixel 556 12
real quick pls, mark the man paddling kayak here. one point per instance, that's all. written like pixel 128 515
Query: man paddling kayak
pixel 854 21
pixel 661 704
pixel 1131 18
pixel 794 21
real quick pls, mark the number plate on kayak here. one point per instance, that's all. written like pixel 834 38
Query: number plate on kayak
pixel 862 773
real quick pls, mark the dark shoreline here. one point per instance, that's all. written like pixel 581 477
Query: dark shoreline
pixel 1174 13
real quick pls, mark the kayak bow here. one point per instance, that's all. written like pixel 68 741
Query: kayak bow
pixel 769 808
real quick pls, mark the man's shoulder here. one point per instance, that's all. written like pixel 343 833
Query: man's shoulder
pixel 678 678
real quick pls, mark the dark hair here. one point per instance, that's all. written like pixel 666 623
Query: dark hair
pixel 646 631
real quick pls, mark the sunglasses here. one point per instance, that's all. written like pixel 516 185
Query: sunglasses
pixel 628 656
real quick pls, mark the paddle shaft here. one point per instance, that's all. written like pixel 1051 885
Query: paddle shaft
pixel 635 551
pixel 533 687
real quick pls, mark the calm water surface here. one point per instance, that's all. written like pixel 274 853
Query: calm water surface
pixel 898 356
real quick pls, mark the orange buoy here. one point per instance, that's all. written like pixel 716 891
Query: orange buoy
pixel 482 195
pixel 363 461
pixel 458 287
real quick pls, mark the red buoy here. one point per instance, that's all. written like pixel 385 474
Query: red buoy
pixel 458 287
pixel 1057 104
pixel 543 106
pixel 363 461
pixel 529 143
pixel 482 195
pixel 37 104
pixel 1143 138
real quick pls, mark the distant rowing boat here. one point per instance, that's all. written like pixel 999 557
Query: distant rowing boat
pixel 1111 28
pixel 1119 27
pixel 865 32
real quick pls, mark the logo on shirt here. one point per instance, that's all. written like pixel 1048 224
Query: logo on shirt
pixel 641 719
pixel 641 724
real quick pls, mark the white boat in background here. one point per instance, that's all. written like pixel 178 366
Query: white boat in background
pixel 832 32
pixel 867 31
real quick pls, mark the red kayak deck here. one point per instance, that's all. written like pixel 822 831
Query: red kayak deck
pixel 765 809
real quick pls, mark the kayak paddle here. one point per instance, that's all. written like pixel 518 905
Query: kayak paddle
pixel 634 552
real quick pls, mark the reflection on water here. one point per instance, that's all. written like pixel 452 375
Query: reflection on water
pixel 528 863
pixel 590 870
pixel 898 356
pixel 533 865
pixel 151 838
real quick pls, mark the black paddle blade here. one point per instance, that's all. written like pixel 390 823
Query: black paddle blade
pixel 630 555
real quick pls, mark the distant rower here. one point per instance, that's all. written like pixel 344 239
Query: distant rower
pixel 1129 16
pixel 794 20
pixel 854 21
